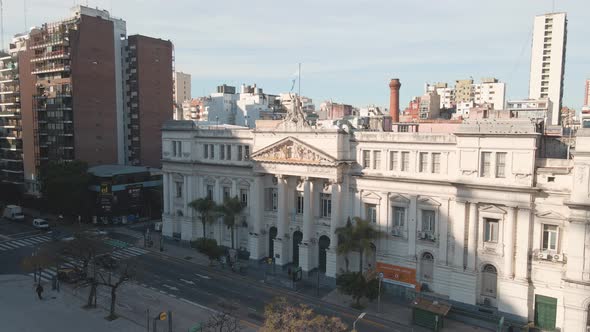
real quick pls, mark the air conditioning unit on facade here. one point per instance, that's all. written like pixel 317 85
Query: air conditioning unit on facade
pixel 542 255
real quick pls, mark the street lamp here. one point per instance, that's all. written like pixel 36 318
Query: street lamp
pixel 359 318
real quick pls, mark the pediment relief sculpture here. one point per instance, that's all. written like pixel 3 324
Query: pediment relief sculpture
pixel 293 151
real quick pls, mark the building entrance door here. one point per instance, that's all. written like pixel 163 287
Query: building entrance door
pixel 297 237
pixel 272 234
pixel 545 312
pixel 324 244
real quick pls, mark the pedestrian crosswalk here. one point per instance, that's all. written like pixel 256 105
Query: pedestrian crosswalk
pixel 25 242
pixel 128 253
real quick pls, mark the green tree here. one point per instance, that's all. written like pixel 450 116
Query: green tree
pixel 206 209
pixel 283 316
pixel 230 211
pixel 207 247
pixel 357 285
pixel 357 236
pixel 64 185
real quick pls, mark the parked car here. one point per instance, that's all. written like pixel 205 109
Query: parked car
pixel 40 223
pixel 13 212
pixel 70 275
pixel 107 261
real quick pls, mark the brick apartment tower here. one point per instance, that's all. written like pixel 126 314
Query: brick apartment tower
pixel 394 86
pixel 70 85
pixel 149 97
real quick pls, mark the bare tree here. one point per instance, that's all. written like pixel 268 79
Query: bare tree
pixel 222 322
pixel 282 316
pixel 113 279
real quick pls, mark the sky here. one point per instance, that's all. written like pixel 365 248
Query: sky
pixel 349 49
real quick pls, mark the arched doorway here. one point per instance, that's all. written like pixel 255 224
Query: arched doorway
pixel 272 234
pixel 297 237
pixel 426 267
pixel 324 244
pixel 489 284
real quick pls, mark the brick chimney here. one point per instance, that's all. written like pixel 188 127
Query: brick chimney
pixel 394 86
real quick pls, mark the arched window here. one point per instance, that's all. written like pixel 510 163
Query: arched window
pixel 489 281
pixel 426 266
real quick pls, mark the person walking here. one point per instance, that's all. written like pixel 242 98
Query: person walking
pixel 39 291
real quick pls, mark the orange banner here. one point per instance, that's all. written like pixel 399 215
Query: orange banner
pixel 398 274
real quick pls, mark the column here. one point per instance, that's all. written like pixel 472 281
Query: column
pixel 509 233
pixel 166 184
pixel 186 229
pixel 523 225
pixel 234 189
pixel 472 239
pixel 443 217
pixel 256 208
pixel 335 222
pixel 412 222
pixel 307 210
pixel 459 234
pixel 383 211
pixel 280 241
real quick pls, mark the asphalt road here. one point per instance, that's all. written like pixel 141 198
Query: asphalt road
pixel 219 290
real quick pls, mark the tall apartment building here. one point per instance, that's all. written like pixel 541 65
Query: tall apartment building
pixel 182 87
pixel 71 102
pixel 548 60
pixel 490 91
pixel 446 93
pixel 149 99
pixel 587 94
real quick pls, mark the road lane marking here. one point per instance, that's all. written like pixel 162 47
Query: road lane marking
pixel 199 305
pixel 190 282
pixel 170 287
pixel 202 276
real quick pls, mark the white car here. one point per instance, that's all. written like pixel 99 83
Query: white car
pixel 95 232
pixel 40 223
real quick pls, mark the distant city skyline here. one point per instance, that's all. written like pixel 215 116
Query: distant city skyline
pixel 349 51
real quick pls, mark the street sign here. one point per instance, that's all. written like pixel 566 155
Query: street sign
pixel 163 315
pixel 196 328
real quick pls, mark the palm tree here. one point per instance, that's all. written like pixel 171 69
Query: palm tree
pixel 345 243
pixel 230 210
pixel 206 208
pixel 357 237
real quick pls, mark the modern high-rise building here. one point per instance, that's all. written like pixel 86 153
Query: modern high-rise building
pixel 182 88
pixel 149 97
pixel 66 95
pixel 587 93
pixel 548 60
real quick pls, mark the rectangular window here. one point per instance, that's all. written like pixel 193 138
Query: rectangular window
pixel 486 164
pixel 501 164
pixel 206 151
pixel 226 193
pixel 550 240
pixel 436 163
pixel 399 216
pixel 244 197
pixel 246 152
pixel 366 159
pixel 393 161
pixel 326 205
pixel 178 189
pixel 371 211
pixel 428 223
pixel 491 230
pixel 210 192
pixel 271 199
pixel 212 150
pixel 376 159
pixel 221 151
pixel 228 152
pixel 405 161
pixel 239 152
pixel 299 202
pixel 422 162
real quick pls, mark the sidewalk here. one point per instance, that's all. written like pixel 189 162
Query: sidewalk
pixel 279 278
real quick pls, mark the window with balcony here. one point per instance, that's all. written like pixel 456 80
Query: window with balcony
pixel 550 237
pixel 244 196
pixel 486 164
pixel 501 164
pixel 399 217
pixel 428 225
pixel 371 212
pixel 376 159
pixel 326 205
pixel 366 158
pixel 393 161
pixel 271 199
pixel 405 161
pixel 491 230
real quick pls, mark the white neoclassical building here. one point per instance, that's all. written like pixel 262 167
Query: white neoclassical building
pixel 474 217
